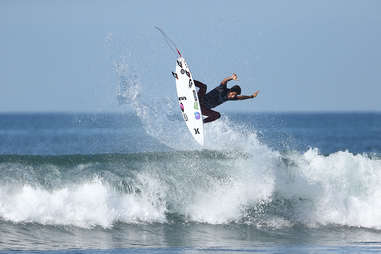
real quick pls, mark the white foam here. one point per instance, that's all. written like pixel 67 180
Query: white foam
pixel 341 188
pixel 344 188
pixel 84 205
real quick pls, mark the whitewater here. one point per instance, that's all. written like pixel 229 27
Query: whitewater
pixel 253 185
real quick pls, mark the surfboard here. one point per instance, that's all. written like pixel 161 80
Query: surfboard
pixel 186 93
pixel 188 99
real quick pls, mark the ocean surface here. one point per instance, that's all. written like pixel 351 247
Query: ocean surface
pixel 137 183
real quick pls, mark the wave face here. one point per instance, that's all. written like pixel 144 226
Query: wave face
pixel 263 188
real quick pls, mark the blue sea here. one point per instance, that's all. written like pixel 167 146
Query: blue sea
pixel 137 182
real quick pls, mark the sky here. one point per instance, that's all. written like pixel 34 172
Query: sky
pixel 59 56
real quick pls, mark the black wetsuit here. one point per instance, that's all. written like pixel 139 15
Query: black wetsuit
pixel 213 98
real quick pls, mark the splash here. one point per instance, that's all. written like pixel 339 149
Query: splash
pixel 160 117
pixel 265 187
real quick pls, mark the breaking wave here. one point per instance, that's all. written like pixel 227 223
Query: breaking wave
pixel 234 179
pixel 257 187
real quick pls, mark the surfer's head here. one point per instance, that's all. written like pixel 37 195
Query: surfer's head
pixel 236 89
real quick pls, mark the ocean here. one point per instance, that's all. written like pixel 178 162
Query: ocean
pixel 136 182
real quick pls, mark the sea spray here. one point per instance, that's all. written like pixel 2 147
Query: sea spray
pixel 306 188
pixel 159 115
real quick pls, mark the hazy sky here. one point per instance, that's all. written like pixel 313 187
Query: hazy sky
pixel 302 55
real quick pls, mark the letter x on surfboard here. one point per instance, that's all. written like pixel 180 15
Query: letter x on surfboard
pixel 187 94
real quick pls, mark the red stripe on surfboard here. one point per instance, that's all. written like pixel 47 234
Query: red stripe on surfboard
pixel 178 52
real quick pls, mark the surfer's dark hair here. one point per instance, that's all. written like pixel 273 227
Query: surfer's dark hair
pixel 236 89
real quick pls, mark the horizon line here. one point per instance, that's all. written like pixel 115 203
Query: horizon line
pixel 226 111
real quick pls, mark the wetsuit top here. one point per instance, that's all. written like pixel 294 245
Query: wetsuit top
pixel 216 97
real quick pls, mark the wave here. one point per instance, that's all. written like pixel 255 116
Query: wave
pixel 273 190
pixel 234 179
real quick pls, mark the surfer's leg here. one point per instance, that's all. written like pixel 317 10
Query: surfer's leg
pixel 211 114
pixel 202 89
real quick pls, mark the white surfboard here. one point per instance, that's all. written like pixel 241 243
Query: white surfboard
pixel 188 100
pixel 187 94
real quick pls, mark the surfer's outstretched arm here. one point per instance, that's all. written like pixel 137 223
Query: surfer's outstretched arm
pixel 226 80
pixel 245 97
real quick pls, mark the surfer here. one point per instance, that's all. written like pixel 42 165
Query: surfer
pixel 217 96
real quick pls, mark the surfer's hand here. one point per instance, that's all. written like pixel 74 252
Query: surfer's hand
pixel 255 94
pixel 234 76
